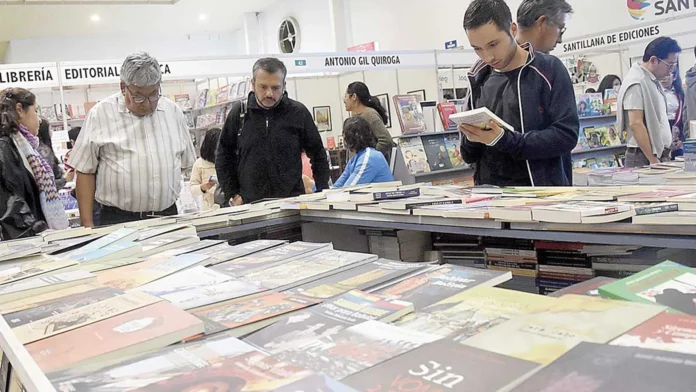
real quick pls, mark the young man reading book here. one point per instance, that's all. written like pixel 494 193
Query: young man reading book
pixel 530 91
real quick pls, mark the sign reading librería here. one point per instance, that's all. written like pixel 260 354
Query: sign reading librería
pixel 615 38
pixel 29 77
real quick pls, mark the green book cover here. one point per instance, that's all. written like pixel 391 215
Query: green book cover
pixel 668 283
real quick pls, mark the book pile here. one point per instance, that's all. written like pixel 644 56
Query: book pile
pixel 404 245
pixel 561 264
pixel 515 255
pixel 459 249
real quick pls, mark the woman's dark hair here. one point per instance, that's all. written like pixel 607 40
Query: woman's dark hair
pixel 363 93
pixel 677 83
pixel 74 133
pixel 9 98
pixel 45 133
pixel 209 145
pixel 357 134
pixel 607 83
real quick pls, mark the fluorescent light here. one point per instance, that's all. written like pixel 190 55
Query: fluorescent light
pixel 95 18
pixel 202 17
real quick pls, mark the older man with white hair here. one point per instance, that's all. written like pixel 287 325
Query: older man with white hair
pixel 132 149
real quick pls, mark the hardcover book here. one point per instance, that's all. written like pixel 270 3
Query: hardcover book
pixel 666 331
pixel 359 278
pixel 293 332
pixel 545 335
pixel 144 329
pixel 356 348
pixel 603 368
pixel 435 285
pixel 410 114
pixel 667 283
pixel 143 370
pixel 443 366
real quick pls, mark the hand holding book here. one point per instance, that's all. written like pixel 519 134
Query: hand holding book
pixel 489 136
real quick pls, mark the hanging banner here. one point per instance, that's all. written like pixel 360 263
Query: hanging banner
pixel 611 39
pixel 29 75
pixel 350 62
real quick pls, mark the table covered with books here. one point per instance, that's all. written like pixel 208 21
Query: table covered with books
pixel 152 307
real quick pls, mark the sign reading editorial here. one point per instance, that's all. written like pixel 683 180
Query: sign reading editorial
pixel 98 73
pixel 615 38
pixel 28 76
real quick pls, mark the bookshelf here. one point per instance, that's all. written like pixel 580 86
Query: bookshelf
pixel 598 149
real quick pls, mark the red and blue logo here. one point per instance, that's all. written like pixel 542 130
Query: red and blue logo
pixel 637 8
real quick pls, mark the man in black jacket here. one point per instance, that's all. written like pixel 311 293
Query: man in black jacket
pixel 530 91
pixel 259 151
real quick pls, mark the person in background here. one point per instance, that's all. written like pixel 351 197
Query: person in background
pixel 690 101
pixel 132 149
pixel 674 95
pixel 29 199
pixel 542 23
pixel 609 82
pixel 367 165
pixel 590 91
pixel 261 159
pixel 642 109
pixel 530 91
pixel 45 149
pixel 360 102
pixel 69 174
pixel 203 175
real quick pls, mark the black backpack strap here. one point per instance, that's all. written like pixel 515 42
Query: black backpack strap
pixel 242 114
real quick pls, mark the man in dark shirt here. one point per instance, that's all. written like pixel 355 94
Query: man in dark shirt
pixel 530 91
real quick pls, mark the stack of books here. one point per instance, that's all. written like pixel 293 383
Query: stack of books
pixel 517 256
pixel 404 245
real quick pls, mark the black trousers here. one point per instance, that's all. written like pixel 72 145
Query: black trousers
pixel 113 215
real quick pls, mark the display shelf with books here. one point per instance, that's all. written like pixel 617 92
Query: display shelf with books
pixel 598 149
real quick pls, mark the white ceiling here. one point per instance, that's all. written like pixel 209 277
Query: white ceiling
pixel 21 19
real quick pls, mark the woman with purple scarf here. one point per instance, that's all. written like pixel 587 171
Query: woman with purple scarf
pixel 29 199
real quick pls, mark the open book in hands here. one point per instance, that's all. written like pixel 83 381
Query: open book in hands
pixel 479 118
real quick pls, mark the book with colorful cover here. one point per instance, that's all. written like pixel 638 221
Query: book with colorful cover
pixel 140 330
pixel 446 109
pixel 595 137
pixel 668 284
pixel 410 114
pixel 604 368
pixel 201 100
pixel 596 104
pixel 453 145
pixel 357 348
pixel 436 152
pixel 242 250
pixel 413 151
pixel 443 366
pixel 223 94
pixel 435 285
pixel 305 269
pixel 614 136
pixel 76 318
pixel 251 314
pixel 473 311
pixel 583 104
pixel 666 331
pixel 252 371
pixel 362 278
pixel 545 335
pixel 144 370
pixel 54 307
pixel 246 265
pixel 294 332
pixel 123 234
pixel 211 98
pixel 183 101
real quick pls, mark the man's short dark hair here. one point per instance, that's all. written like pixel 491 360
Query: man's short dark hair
pixel 270 65
pixel 357 134
pixel 531 10
pixel 482 12
pixel 661 48
pixel 209 145
pixel 74 133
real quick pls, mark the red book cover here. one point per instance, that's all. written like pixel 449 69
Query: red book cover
pixel 666 331
pixel 446 109
pixel 551 245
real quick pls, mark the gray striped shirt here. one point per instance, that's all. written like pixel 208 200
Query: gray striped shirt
pixel 138 160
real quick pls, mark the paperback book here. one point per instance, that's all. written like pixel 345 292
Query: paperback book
pixel 243 266
pixel 666 331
